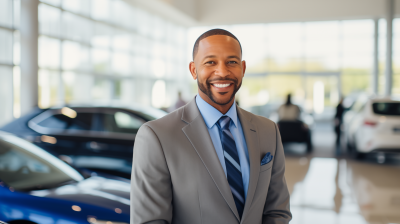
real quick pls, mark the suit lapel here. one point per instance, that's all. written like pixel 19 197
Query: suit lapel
pixel 197 133
pixel 251 136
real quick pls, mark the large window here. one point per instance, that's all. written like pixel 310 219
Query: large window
pixel 108 50
pixel 9 59
pixel 301 58
pixel 396 57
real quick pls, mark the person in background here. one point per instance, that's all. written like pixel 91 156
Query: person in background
pixel 289 111
pixel 179 103
pixel 338 123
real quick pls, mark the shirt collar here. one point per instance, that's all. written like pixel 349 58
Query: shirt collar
pixel 212 115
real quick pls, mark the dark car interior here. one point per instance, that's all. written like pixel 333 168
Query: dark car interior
pixel 295 131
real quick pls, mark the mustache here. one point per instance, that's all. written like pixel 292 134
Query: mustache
pixel 221 79
pixel 206 88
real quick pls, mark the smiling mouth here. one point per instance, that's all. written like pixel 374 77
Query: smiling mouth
pixel 222 85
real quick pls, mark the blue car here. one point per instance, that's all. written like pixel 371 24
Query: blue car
pixel 93 137
pixel 36 187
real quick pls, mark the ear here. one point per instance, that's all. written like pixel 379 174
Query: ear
pixel 244 66
pixel 192 68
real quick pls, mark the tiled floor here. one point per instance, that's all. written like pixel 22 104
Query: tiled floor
pixel 326 188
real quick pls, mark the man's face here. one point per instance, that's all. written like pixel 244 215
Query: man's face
pixel 218 68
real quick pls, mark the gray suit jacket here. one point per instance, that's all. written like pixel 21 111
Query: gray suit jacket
pixel 177 177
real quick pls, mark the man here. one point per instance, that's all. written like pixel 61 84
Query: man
pixel 289 111
pixel 338 124
pixel 292 129
pixel 210 161
pixel 179 103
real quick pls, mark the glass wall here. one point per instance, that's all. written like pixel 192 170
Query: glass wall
pixel 106 51
pixel 396 57
pixel 9 58
pixel 296 58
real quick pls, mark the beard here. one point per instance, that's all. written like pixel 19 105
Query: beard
pixel 206 89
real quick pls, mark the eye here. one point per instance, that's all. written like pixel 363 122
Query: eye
pixel 232 62
pixel 210 62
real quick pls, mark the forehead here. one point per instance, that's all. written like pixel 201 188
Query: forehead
pixel 219 44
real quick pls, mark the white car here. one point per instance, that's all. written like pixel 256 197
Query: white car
pixel 373 125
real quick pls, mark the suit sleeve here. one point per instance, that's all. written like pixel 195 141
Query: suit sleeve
pixel 151 188
pixel 276 209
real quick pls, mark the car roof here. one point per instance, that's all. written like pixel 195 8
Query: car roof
pixel 3 133
pixel 154 112
pixel 386 99
pixel 103 105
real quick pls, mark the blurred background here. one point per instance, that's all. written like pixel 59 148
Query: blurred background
pixel 128 51
pixel 79 77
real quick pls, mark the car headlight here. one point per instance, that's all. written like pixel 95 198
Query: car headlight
pixel 93 220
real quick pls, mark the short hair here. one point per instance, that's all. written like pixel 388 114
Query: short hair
pixel 212 33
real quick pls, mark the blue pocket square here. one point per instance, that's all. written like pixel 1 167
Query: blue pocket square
pixel 267 158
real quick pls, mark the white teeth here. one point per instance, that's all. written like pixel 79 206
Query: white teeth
pixel 221 85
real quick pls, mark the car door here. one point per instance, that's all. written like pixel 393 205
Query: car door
pixel 62 134
pixel 357 122
pixel 353 118
pixel 111 147
pixel 100 139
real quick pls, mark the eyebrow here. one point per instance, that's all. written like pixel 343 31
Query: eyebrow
pixel 209 56
pixel 233 56
pixel 214 56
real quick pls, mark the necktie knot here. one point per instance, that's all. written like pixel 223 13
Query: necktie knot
pixel 224 122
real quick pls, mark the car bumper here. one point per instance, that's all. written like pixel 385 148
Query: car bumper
pixel 382 143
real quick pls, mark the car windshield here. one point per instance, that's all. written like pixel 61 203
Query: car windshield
pixel 386 108
pixel 25 166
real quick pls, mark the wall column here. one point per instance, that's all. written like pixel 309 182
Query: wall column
pixel 389 47
pixel 29 30
pixel 375 69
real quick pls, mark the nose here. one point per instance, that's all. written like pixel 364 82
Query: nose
pixel 222 70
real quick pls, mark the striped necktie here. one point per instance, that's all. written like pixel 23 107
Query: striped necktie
pixel 232 163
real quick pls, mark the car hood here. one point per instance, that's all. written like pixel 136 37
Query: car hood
pixel 98 191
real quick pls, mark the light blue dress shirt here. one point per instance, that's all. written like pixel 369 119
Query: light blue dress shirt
pixel 211 116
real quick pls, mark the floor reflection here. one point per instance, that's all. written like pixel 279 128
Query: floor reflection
pixel 377 190
pixel 342 191
pixel 329 187
pixel 296 170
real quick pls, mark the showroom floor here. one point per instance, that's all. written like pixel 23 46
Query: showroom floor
pixel 329 187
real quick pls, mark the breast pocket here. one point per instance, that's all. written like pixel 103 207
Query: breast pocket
pixel 266 166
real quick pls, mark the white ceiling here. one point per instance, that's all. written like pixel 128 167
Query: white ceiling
pixel 224 12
